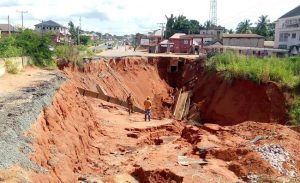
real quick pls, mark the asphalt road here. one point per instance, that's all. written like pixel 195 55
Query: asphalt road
pixel 121 51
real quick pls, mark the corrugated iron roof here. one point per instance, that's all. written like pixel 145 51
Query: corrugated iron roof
pixel 177 35
pixel 294 12
pixel 4 27
pixel 242 36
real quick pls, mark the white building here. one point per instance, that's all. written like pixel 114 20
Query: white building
pixel 287 31
pixel 61 33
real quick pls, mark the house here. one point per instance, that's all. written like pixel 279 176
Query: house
pixel 6 29
pixel 243 40
pixel 181 45
pixel 287 31
pixel 215 32
pixel 60 33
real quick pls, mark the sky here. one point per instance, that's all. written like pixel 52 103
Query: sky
pixel 121 17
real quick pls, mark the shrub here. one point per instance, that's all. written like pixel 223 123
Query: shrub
pixel 11 67
pixel 282 70
pixel 8 47
pixel 294 111
pixel 36 46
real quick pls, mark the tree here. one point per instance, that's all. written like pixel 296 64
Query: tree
pixel 73 31
pixel 244 27
pixel 195 27
pixel 209 25
pixel 170 26
pixel 181 24
pixel 262 26
pixel 36 46
pixel 271 26
pixel 85 39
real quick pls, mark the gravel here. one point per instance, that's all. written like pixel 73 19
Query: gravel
pixel 276 156
pixel 18 111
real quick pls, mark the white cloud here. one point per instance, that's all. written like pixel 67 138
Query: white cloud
pixel 130 16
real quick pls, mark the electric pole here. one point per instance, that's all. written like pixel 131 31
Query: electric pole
pixel 22 15
pixel 8 25
pixel 162 30
pixel 79 27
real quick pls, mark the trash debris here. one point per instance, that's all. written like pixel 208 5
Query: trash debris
pixel 185 161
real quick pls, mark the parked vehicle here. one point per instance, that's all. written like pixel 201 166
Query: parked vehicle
pixel 109 46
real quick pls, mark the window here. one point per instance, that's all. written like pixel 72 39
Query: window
pixel 283 37
pixel 293 35
pixel 50 28
pixel 281 46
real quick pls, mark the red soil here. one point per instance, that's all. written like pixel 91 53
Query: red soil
pixel 232 102
pixel 79 136
pixel 64 135
pixel 124 76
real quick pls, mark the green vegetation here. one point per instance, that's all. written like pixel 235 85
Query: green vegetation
pixel 28 43
pixel 263 27
pixel 36 46
pixel 8 47
pixel 294 111
pixel 11 67
pixel 282 70
pixel 285 71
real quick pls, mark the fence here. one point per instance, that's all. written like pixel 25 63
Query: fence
pixel 21 62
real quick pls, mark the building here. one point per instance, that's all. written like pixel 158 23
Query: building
pixel 181 45
pixel 287 31
pixel 7 28
pixel 60 33
pixel 214 32
pixel 243 40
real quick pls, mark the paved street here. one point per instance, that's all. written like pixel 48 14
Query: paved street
pixel 121 51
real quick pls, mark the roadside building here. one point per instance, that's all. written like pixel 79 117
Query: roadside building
pixel 243 40
pixel 287 31
pixel 215 33
pixel 6 29
pixel 155 38
pixel 181 45
pixel 59 32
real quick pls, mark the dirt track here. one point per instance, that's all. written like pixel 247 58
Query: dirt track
pixel 84 139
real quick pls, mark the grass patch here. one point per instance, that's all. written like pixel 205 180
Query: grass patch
pixel 294 112
pixel 11 67
pixel 233 65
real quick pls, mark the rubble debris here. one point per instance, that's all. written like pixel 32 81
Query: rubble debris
pixel 256 139
pixel 185 161
pixel 276 156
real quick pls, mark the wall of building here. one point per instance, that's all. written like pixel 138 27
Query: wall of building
pixel 284 26
pixel 245 42
pixel 181 45
pixel 20 61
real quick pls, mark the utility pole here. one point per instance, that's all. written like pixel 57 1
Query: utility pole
pixel 162 30
pixel 8 25
pixel 79 27
pixel 22 15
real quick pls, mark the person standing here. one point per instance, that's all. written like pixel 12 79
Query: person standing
pixel 147 105
pixel 130 104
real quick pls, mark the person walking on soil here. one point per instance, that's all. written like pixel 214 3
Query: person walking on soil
pixel 147 104
pixel 130 104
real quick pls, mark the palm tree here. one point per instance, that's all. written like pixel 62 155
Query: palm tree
pixel 244 27
pixel 170 25
pixel 262 26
